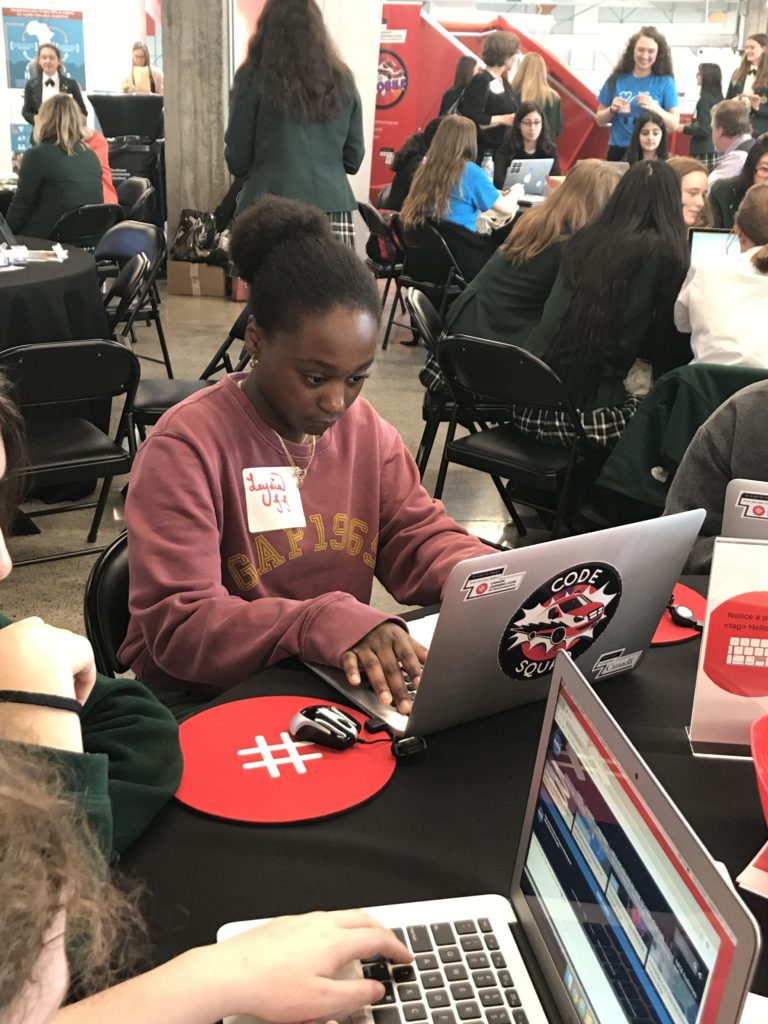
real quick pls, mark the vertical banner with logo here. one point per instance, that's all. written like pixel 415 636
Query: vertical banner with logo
pixel 732 679
pixel 27 28
pixel 397 106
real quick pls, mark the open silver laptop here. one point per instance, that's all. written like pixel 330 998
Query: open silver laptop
pixel 711 245
pixel 505 616
pixel 616 912
pixel 532 175
pixel 745 511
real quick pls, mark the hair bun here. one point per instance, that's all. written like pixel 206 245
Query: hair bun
pixel 270 223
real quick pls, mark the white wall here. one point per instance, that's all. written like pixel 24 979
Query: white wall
pixel 109 29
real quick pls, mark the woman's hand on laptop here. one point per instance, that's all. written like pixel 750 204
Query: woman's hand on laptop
pixel 301 968
pixel 380 655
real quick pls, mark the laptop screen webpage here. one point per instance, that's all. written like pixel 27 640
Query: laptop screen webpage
pixel 631 934
pixel 712 247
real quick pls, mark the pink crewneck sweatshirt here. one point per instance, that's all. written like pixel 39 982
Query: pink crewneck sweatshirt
pixel 212 603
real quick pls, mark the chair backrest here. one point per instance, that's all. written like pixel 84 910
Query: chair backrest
pixel 382 199
pixel 105 606
pixel 56 372
pixel 131 190
pixel 124 240
pixel 478 368
pixel 86 226
pixel 425 317
pixel 427 257
pixel 126 288
pixel 375 222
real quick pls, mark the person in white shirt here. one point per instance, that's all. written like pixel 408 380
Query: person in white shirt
pixel 731 136
pixel 724 304
pixel 49 81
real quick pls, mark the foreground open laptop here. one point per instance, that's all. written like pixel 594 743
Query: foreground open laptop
pixel 616 912
pixel 505 616
pixel 532 175
pixel 745 511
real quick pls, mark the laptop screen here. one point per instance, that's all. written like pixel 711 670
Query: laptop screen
pixel 630 932
pixel 712 246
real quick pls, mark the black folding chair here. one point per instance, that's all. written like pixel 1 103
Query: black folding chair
pixel 381 267
pixel 87 225
pixel 125 290
pixel 427 265
pixel 113 251
pixel 155 397
pixel 65 448
pixel 105 606
pixel 134 195
pixel 539 475
pixel 382 199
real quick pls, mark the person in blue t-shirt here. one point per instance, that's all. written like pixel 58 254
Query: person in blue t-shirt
pixel 450 189
pixel 642 80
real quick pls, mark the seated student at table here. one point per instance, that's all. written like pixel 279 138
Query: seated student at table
pixel 96 141
pixel 530 86
pixel 649 139
pixel 49 81
pixel 61 920
pixel 727 193
pixel 694 190
pixel 218 591
pixel 612 305
pixel 642 80
pixel 57 175
pixel 731 137
pixel 407 160
pixel 452 190
pixel 528 138
pixel 726 447
pixel 724 304
pixel 113 735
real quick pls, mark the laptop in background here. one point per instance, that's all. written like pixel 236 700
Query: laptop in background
pixel 599 596
pixel 532 175
pixel 745 512
pixel 616 912
pixel 710 245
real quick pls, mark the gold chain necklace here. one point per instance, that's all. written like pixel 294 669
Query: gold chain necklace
pixel 298 472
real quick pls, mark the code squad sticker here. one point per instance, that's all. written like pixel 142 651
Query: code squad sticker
pixel 736 658
pixel 392 84
pixel 488 582
pixel 567 613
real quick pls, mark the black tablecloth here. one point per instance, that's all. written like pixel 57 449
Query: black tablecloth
pixel 445 826
pixel 51 301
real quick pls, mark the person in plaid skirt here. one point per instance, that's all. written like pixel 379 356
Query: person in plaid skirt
pixel 699 129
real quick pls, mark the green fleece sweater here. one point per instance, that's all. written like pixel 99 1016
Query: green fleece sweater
pixel 132 761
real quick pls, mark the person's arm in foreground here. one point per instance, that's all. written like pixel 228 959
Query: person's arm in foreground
pixel 288 970
pixel 354 145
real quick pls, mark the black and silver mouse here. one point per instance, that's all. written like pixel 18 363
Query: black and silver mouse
pixel 326 725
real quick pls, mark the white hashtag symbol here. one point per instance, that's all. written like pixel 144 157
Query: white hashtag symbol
pixel 271 763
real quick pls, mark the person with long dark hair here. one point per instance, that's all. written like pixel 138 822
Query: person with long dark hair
pixel 528 138
pixel 710 80
pixel 642 80
pixel 50 80
pixel 749 82
pixel 649 139
pixel 612 304
pixel 726 194
pixel 408 159
pixel 465 69
pixel 296 131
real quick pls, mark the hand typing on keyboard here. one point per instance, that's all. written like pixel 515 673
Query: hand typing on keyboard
pixel 387 655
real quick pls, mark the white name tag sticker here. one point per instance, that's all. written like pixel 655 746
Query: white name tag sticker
pixel 272 499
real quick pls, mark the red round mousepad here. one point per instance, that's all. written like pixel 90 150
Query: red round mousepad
pixel 241 763
pixel 667 631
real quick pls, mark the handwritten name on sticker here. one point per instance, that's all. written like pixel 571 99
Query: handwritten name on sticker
pixel 272 499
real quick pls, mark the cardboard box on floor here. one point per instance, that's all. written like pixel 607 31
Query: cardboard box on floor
pixel 196 279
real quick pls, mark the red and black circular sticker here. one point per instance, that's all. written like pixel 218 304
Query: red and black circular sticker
pixel 393 80
pixel 567 613
pixel 736 658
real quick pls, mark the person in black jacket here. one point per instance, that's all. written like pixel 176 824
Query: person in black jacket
pixel 465 69
pixel 488 100
pixel 527 139
pixel 710 78
pixel 48 82
pixel 407 161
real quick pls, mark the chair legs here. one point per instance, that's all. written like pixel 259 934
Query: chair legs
pixel 100 506
pixel 392 312
pixel 431 424
pixel 161 336
pixel 519 524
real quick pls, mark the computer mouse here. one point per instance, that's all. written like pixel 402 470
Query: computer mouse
pixel 326 725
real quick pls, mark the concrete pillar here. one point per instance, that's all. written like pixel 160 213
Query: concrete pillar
pixel 755 17
pixel 196 61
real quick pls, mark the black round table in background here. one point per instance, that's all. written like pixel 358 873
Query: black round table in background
pixel 44 302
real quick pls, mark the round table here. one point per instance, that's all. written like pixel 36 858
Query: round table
pixel 44 302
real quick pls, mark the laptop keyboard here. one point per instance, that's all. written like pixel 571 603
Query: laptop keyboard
pixel 459 974
pixel 618 970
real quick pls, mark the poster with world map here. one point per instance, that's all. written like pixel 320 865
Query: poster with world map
pixel 27 28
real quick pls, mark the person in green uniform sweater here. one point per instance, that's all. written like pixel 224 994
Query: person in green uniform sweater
pixel 726 195
pixel 120 744
pixel 530 86
pixel 710 80
pixel 611 305
pixel 295 119
pixel 59 174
